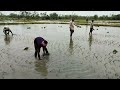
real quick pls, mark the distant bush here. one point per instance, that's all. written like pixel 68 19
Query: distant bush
pixel 27 15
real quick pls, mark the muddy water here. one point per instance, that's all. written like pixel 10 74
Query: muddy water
pixel 82 57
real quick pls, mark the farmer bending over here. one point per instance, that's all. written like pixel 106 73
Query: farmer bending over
pixel 6 31
pixel 38 43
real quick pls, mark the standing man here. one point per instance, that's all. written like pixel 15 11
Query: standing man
pixel 72 27
pixel 91 27
pixel 38 43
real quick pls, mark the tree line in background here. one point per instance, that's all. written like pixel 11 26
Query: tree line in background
pixel 27 15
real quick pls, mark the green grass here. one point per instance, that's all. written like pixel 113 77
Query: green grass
pixel 112 23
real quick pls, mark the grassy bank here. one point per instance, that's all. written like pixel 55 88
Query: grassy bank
pixel 111 23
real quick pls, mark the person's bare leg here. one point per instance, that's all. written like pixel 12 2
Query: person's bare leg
pixel 35 54
pixel 38 52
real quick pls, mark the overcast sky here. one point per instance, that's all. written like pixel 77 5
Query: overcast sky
pixel 82 13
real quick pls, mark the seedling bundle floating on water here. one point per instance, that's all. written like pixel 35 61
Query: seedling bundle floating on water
pixel 115 51
pixel 26 48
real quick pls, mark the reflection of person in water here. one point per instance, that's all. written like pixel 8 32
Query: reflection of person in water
pixel 87 20
pixel 86 27
pixel 8 39
pixel 90 40
pixel 41 67
pixel 71 45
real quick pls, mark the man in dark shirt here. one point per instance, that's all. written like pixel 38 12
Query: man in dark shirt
pixel 38 43
pixel 6 31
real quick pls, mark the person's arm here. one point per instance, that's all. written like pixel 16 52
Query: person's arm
pixel 76 25
pixel 43 51
pixel 11 31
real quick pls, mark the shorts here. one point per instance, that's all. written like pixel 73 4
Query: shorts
pixel 91 29
pixel 72 31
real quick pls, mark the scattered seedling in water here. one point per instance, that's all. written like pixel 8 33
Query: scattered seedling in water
pixel 26 48
pixel 28 28
pixel 59 26
pixel 115 51
pixel 79 26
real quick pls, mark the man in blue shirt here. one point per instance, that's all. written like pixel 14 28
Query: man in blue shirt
pixel 38 43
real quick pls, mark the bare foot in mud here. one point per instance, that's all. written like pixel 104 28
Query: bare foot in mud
pixel 46 54
pixel 39 59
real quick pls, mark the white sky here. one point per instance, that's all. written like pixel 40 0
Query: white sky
pixel 81 13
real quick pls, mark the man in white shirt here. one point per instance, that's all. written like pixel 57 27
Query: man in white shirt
pixel 91 27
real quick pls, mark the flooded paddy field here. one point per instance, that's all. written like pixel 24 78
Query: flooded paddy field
pixel 82 57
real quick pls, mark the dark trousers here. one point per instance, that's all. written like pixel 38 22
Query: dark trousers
pixel 71 32
pixel 91 29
